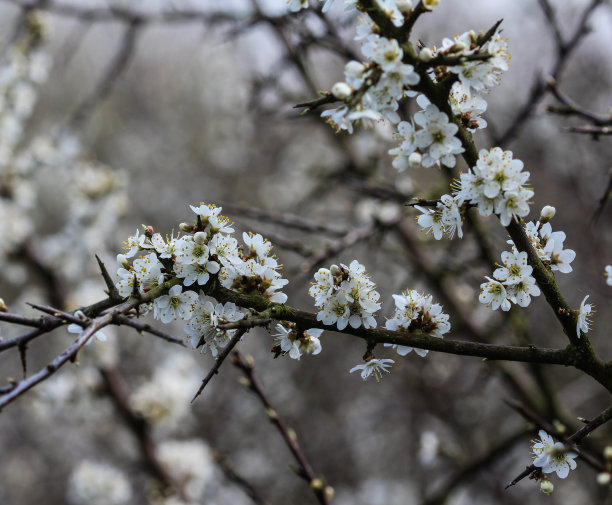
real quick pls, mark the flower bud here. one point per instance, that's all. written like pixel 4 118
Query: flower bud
pixel 426 54
pixel 186 227
pixel 354 68
pixel 546 487
pixel 547 213
pixel 335 270
pixel 404 6
pixel 603 479
pixel 199 238
pixel 457 47
pixel 3 307
pixel 122 261
pixel 608 453
pixel 415 160
pixel 430 4
pixel 341 90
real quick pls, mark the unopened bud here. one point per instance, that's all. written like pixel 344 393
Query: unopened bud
pixel 404 6
pixel 547 213
pixel 199 238
pixel 341 90
pixel 354 68
pixel 415 160
pixel 608 453
pixel 316 484
pixel 559 426
pixel 334 270
pixel 457 47
pixel 3 307
pixel 292 434
pixel 426 54
pixel 603 479
pixel 186 227
pixel 329 493
pixel 546 487
pixel 122 261
pixel 430 4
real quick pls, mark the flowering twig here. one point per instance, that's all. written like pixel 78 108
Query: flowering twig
pixel 317 484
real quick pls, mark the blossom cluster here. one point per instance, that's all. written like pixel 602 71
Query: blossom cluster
pixel 207 249
pixel 345 295
pixel 496 185
pixel 415 311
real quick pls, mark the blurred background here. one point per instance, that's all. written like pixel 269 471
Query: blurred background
pixel 134 110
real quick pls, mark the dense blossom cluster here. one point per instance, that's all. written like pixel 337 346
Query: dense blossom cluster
pixel 513 281
pixel 552 456
pixel 345 295
pixel 496 185
pixel 413 312
pixel 96 483
pixel 207 249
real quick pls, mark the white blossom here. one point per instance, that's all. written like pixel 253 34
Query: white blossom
pixel 373 367
pixel 552 457
pixel 584 313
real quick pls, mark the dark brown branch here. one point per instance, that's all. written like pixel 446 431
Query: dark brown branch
pixel 603 200
pixel 572 108
pixel 219 361
pixel 305 470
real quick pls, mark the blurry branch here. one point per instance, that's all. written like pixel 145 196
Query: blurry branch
pixel 563 48
pixel 604 198
pixel 146 328
pixel 473 468
pixel 322 492
pixel 105 85
pixel 571 108
pixel 94 14
pixel 576 438
pixel 240 481
pixel 284 219
pixel 351 238
pixel 117 390
pixel 219 361
pixel 595 131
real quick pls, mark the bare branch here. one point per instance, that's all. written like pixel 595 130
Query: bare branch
pixel 316 483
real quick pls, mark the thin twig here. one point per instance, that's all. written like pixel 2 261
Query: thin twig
pixel 219 361
pixel 237 479
pixel 316 483
pixel 105 85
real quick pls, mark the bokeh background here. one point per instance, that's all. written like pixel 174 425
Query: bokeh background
pixel 202 111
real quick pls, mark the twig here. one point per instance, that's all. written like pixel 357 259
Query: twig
pixel 603 200
pixel 305 470
pixel 145 327
pixel 573 108
pixel 219 361
pixel 117 390
pixel 240 481
pixel 595 131
pixel 284 219
pixel 105 85
pixel 538 88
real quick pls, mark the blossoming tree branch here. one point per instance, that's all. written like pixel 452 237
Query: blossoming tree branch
pixel 219 288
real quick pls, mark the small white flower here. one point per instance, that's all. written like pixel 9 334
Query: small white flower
pixel 493 294
pixel 608 274
pixel 552 457
pixel 175 305
pixel 582 322
pixel 373 366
